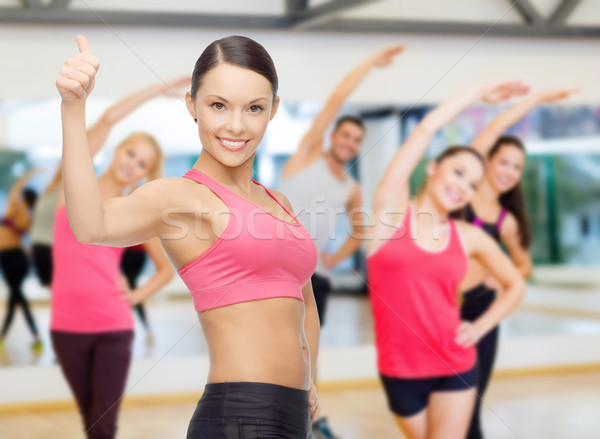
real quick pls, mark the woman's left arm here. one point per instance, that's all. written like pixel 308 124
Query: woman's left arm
pixel 484 249
pixel 312 331
pixel 164 273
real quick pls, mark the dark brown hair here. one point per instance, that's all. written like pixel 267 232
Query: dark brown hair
pixel 458 149
pixel 513 200
pixel 350 119
pixel 239 51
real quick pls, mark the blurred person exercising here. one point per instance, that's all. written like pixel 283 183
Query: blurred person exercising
pixel 319 188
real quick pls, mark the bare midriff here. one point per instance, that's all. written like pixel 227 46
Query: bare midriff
pixel 8 238
pixel 258 341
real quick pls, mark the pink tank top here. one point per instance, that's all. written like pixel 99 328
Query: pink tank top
pixel 85 295
pixel 258 256
pixel 413 293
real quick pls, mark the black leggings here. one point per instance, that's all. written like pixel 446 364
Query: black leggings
pixel 42 261
pixel 321 289
pixel 249 411
pixel 476 302
pixel 95 366
pixel 132 263
pixel 15 265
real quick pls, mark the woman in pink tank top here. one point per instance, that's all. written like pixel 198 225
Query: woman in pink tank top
pixel 417 257
pixel 245 258
pixel 91 322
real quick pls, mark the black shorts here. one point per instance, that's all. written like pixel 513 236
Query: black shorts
pixel 408 396
pixel 42 261
pixel 251 410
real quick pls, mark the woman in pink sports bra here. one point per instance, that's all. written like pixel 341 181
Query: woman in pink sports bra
pixel 417 257
pixel 498 207
pixel 238 247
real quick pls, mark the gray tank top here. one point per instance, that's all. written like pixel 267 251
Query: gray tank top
pixel 42 227
pixel 318 198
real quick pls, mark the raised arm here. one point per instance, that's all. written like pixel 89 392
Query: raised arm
pixel 56 180
pixel 18 185
pixel 121 221
pixel 98 134
pixel 487 138
pixel 15 190
pixel 311 145
pixel 393 189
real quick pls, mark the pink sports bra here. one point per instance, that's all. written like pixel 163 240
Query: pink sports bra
pixel 258 256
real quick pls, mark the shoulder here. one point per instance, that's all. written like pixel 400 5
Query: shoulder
pixel 509 226
pixel 283 199
pixel 161 186
pixel 473 238
pixel 170 191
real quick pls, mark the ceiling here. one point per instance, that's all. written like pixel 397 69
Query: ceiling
pixel 510 18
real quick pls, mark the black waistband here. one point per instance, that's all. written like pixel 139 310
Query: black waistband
pixel 248 400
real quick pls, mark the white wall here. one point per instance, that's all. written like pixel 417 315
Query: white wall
pixel 309 64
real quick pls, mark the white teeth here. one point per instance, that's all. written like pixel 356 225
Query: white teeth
pixel 232 144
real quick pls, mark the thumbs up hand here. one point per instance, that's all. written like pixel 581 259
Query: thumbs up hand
pixel 75 81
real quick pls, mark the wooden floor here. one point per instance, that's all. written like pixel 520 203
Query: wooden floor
pixel 548 407
pixel 349 323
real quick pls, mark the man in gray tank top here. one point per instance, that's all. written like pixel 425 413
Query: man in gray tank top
pixel 319 189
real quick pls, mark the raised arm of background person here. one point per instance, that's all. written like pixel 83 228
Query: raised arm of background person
pixel 356 221
pixel 511 238
pixel 56 180
pixel 488 137
pixel 393 191
pixel 311 145
pixel 122 221
pixel 481 247
pixel 16 189
pixel 98 134
pixel 163 275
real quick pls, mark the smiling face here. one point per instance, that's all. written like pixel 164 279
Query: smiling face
pixel 233 106
pixel 453 181
pixel 346 141
pixel 505 167
pixel 134 160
